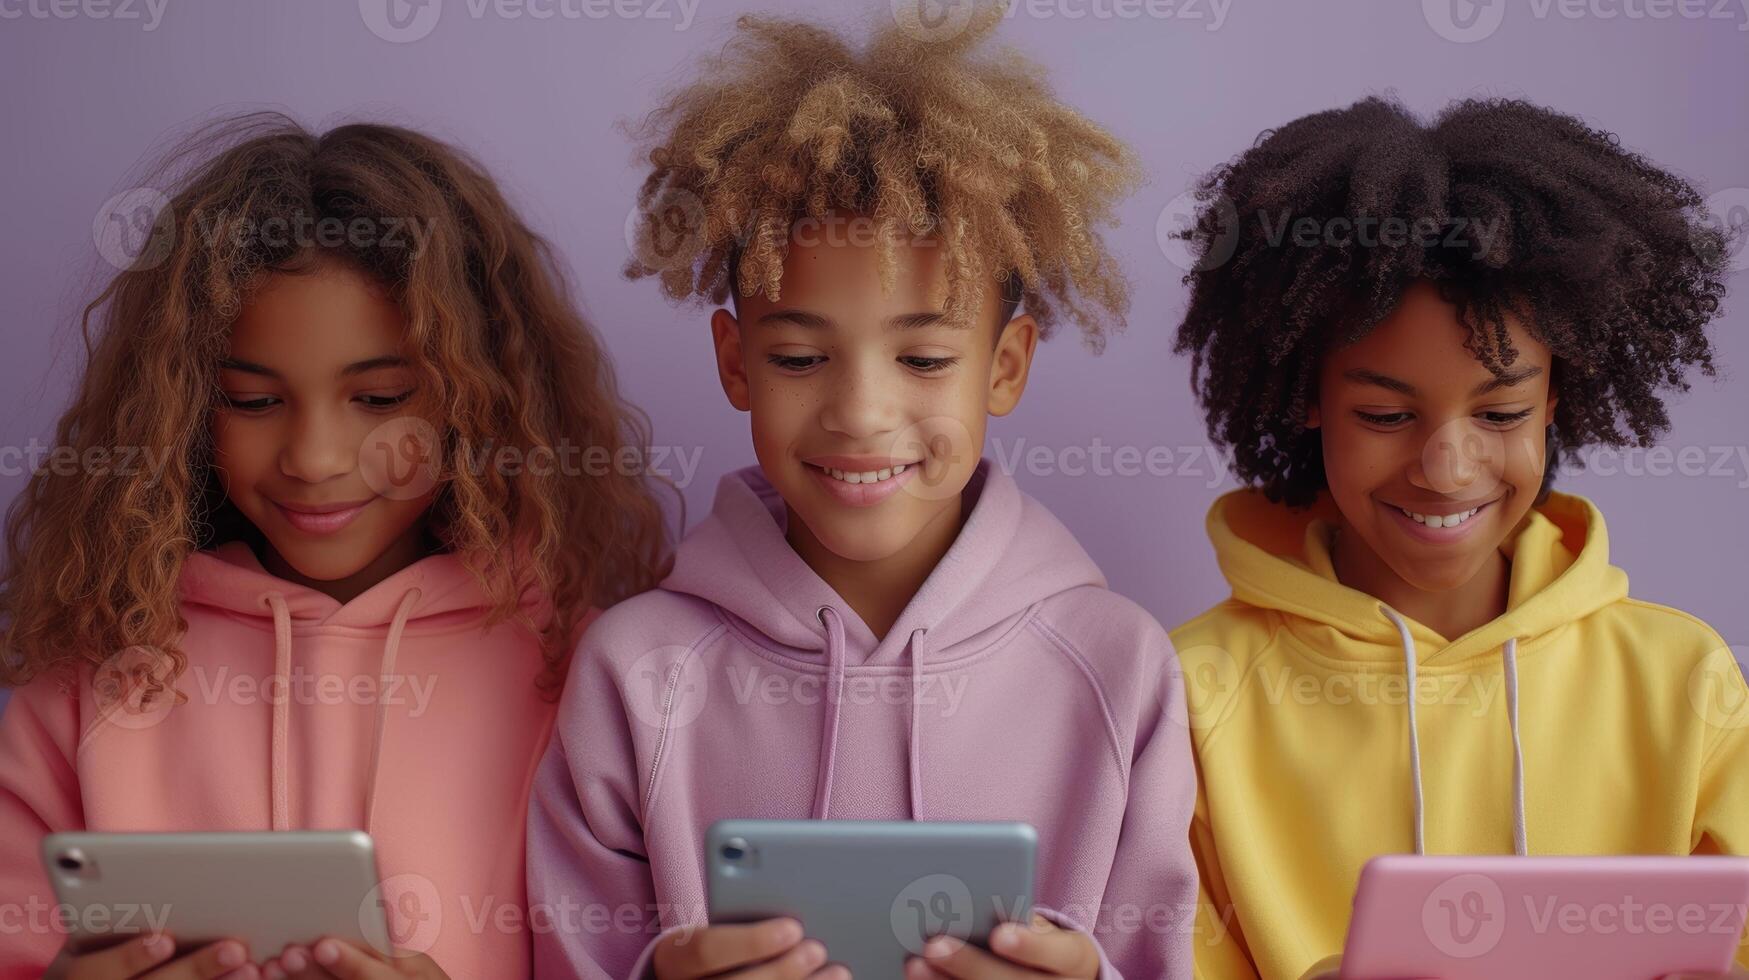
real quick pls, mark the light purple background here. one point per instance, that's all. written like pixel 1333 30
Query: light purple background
pixel 538 100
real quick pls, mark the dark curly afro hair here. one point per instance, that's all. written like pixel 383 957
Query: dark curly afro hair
pixel 1509 207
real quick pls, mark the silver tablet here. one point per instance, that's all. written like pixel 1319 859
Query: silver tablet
pixel 872 891
pixel 266 889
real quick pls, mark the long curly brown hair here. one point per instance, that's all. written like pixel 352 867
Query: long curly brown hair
pixel 95 556
pixel 1609 259
pixel 925 136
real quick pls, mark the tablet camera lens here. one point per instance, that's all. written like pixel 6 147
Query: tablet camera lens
pixel 70 861
pixel 735 850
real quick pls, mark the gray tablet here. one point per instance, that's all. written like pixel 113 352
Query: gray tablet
pixel 872 891
pixel 267 889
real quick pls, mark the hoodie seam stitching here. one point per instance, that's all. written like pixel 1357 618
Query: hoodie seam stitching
pixel 657 751
pixel 1311 655
pixel 751 640
pixel 1074 655
pixel 339 629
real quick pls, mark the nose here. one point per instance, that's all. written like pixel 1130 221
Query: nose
pixel 1458 458
pixel 318 447
pixel 860 405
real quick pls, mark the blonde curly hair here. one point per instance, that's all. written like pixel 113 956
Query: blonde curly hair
pixel 925 136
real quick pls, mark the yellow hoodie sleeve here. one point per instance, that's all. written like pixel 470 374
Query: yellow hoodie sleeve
pixel 1721 810
pixel 1221 953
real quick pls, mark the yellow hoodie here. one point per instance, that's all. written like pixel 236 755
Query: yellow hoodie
pixel 1633 720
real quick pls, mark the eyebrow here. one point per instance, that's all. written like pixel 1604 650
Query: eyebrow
pixel 357 367
pixel 1507 380
pixel 904 321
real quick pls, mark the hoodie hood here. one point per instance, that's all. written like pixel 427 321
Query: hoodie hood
pixel 437 592
pixel 1010 554
pixel 1279 558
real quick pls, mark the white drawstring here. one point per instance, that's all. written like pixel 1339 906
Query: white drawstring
pixel 1520 835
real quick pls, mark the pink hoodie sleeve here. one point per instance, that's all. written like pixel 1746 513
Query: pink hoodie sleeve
pixel 586 862
pixel 39 793
pixel 1145 918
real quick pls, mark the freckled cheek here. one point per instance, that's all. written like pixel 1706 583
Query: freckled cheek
pixel 783 410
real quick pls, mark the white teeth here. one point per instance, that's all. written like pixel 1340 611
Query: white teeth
pixel 868 476
pixel 1435 520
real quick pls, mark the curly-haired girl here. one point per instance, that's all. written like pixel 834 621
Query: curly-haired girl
pixel 1397 327
pixel 342 590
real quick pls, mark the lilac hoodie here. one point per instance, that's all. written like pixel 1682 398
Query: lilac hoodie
pixel 1014 686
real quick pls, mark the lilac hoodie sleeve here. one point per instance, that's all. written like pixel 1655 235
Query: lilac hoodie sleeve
pixel 588 872
pixel 1144 923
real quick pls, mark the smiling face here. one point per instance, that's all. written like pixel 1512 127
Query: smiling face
pixel 315 367
pixel 1431 459
pixel 868 409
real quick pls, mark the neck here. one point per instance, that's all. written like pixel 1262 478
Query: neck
pixel 880 590
pixel 1449 612
pixel 405 550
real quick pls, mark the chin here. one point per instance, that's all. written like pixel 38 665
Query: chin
pixel 858 540
pixel 1443 577
pixel 320 568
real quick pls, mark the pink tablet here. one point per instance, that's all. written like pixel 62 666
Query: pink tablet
pixel 1506 918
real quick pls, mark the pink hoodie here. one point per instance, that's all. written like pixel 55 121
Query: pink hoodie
pixel 1014 686
pixel 437 769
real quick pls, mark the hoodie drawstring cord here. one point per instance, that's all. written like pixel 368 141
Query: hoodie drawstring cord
pixel 829 725
pixel 1520 838
pixel 1520 831
pixel 281 806
pixel 385 671
pixel 916 739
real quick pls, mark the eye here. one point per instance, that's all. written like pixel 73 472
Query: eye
pixel 1389 420
pixel 1506 419
pixel 385 401
pixel 794 362
pixel 250 405
pixel 928 365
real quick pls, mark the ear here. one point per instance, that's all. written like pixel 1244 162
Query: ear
pixel 1011 363
pixel 1314 417
pixel 731 365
